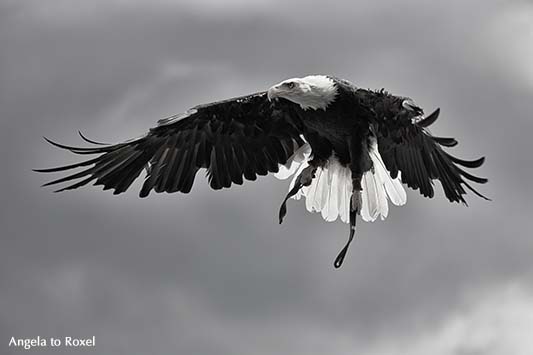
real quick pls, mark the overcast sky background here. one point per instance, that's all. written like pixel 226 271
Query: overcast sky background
pixel 213 272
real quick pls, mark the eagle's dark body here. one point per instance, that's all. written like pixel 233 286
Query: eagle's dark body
pixel 342 129
pixel 253 135
pixel 330 131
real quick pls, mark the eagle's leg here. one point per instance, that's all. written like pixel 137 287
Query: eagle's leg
pixel 355 207
pixel 304 179
pixel 359 163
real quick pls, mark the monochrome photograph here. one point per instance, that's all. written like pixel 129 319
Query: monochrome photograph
pixel 266 177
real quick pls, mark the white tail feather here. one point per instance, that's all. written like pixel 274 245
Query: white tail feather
pixel 393 187
pixel 331 189
pixel 299 156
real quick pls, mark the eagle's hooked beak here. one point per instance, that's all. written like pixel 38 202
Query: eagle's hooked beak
pixel 272 93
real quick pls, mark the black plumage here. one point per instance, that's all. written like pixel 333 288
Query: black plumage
pixel 232 139
pixel 405 145
pixel 249 136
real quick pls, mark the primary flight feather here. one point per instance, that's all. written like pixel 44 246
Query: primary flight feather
pixel 347 149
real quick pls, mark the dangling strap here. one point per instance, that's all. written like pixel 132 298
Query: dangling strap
pixel 340 258
pixel 283 208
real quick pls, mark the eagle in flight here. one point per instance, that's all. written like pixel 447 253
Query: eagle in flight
pixel 349 150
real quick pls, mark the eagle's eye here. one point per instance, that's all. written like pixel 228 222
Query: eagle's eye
pixel 290 85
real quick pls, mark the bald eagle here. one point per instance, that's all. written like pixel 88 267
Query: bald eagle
pixel 347 149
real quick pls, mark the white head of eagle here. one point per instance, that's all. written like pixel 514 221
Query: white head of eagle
pixel 349 150
pixel 310 92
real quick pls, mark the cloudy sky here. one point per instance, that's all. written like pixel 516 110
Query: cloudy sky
pixel 213 272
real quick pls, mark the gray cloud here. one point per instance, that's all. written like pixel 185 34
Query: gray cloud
pixel 212 272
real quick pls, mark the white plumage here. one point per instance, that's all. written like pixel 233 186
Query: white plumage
pixel 330 191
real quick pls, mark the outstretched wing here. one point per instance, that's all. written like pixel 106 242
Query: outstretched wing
pixel 406 145
pixel 232 139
